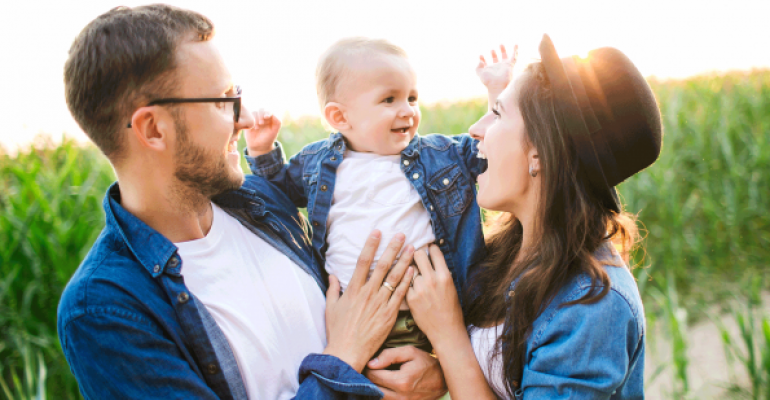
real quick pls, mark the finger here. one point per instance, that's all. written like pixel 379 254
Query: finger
pixel 515 53
pixel 261 117
pixel 422 262
pixel 396 274
pixel 483 60
pixel 437 259
pixel 494 56
pixel 400 292
pixel 386 260
pixel 388 357
pixel 503 53
pixel 333 293
pixel 365 261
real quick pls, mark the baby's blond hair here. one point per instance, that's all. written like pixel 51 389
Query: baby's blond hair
pixel 333 64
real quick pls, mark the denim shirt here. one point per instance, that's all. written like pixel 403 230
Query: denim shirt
pixel 588 351
pixel 442 169
pixel 130 328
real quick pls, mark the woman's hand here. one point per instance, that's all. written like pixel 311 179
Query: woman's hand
pixel 433 299
pixel 497 75
pixel 359 320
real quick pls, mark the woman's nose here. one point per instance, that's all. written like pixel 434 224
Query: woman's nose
pixel 478 129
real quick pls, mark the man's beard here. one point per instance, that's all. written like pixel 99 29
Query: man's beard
pixel 200 175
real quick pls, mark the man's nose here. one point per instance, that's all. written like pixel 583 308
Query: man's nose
pixel 245 120
pixel 479 129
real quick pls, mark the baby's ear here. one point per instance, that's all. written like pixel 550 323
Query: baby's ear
pixel 335 116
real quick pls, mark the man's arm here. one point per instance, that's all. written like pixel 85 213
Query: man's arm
pixel 116 354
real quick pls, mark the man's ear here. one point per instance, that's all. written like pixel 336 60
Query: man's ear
pixel 151 129
pixel 335 116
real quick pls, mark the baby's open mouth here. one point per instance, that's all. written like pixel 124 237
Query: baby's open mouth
pixel 400 130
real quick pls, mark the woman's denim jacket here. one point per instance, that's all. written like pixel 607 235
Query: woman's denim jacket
pixel 131 329
pixel 588 351
pixel 442 169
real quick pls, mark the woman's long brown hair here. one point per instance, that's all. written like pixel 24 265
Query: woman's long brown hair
pixel 571 224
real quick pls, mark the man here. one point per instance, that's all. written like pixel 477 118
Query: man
pixel 201 285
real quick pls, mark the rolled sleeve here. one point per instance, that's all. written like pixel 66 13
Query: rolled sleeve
pixel 586 351
pixel 267 164
pixel 324 376
pixel 469 151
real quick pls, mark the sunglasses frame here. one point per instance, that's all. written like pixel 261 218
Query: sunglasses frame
pixel 235 100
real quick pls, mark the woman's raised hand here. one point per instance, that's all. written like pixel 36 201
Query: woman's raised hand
pixel 497 75
pixel 359 320
pixel 433 299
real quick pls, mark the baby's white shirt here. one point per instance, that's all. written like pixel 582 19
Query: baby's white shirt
pixel 371 192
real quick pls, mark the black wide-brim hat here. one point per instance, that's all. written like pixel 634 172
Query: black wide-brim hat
pixel 608 112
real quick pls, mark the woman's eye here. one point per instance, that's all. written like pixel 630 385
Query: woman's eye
pixel 497 113
pixel 389 100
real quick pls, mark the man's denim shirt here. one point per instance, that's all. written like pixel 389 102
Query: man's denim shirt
pixel 130 328
pixel 588 351
pixel 442 169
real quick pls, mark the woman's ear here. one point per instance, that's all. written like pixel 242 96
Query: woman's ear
pixel 335 116
pixel 534 161
pixel 150 129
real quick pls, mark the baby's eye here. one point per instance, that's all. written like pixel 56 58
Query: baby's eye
pixel 389 100
pixel 413 99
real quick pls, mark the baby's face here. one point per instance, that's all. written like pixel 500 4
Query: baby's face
pixel 380 102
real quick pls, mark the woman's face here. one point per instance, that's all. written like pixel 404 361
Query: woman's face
pixel 506 185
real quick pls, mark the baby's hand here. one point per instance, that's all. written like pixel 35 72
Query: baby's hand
pixel 260 138
pixel 498 75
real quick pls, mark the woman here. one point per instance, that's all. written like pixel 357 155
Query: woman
pixel 553 311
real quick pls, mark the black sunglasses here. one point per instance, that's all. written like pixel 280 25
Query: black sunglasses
pixel 235 100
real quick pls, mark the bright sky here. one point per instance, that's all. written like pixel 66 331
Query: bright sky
pixel 272 47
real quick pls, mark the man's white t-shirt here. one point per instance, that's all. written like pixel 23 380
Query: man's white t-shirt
pixel 269 309
pixel 371 192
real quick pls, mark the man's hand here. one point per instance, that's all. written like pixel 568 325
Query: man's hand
pixel 420 376
pixel 498 75
pixel 260 138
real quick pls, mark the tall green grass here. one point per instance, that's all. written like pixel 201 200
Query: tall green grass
pixel 703 206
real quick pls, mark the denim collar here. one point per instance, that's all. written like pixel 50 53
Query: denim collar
pixel 152 249
pixel 337 141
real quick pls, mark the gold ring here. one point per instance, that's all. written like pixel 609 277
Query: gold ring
pixel 389 286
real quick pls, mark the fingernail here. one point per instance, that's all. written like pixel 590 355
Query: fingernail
pixel 376 234
pixel 268 115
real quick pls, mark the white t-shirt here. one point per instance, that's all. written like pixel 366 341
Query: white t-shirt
pixel 269 309
pixel 371 192
pixel 483 341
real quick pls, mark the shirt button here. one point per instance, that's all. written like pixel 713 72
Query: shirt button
pixel 445 181
pixel 406 162
pixel 431 207
pixel 415 176
pixel 173 262
pixel 510 294
pixel 183 297
pixel 212 369
pixel 315 223
pixel 339 147
pixel 334 158
pixel 323 188
pixel 441 242
pixel 156 269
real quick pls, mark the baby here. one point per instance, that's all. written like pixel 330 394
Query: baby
pixel 377 172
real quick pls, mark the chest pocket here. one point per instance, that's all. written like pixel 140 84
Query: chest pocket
pixel 451 191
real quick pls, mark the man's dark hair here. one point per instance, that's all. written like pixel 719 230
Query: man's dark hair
pixel 122 60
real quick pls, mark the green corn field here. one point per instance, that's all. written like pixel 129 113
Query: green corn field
pixel 703 208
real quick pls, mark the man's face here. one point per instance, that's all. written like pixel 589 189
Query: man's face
pixel 381 105
pixel 206 154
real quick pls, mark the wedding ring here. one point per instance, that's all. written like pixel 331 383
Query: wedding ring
pixel 389 286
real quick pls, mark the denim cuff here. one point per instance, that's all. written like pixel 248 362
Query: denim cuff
pixel 268 164
pixel 337 375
